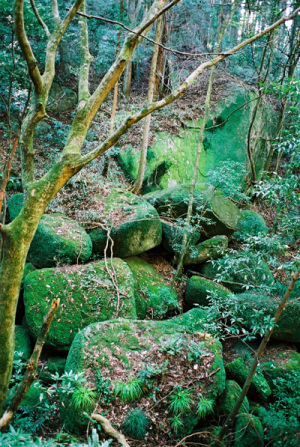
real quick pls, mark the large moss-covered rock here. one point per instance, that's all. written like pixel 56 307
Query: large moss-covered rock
pixel 124 350
pixel 246 270
pixel 199 289
pixel 172 237
pixel 280 361
pixel 153 295
pixel 59 240
pixel 229 398
pixel 14 205
pixel 87 294
pixel 221 214
pixel 251 223
pixel 61 98
pixel 262 305
pixel 133 223
pixel 238 370
pixel 22 343
pixel 171 160
pixel 248 431
pixel 212 248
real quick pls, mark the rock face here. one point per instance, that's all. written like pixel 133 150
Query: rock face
pixel 287 328
pixel 198 290
pixel 221 215
pixel 87 294
pixel 59 240
pixel 171 159
pixel 153 295
pixel 133 223
pixel 117 349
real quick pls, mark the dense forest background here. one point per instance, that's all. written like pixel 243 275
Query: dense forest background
pixel 150 191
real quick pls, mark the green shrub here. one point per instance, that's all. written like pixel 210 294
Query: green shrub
pixel 136 424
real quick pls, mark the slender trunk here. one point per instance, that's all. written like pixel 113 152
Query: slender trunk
pixel 151 91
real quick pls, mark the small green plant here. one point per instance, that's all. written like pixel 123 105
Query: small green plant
pixel 104 388
pixel 195 354
pixel 205 407
pixel 83 399
pixel 151 371
pixel 177 424
pixel 136 424
pixel 181 400
pixel 129 391
pixel 173 346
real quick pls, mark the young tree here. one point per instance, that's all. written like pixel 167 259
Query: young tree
pixel 17 235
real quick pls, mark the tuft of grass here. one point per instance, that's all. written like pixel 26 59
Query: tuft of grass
pixel 129 391
pixel 181 400
pixel 136 424
pixel 176 424
pixel 205 407
pixel 83 399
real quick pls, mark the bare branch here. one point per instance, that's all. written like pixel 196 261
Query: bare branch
pixel 55 12
pixel 110 430
pixel 31 367
pixel 85 59
pixel 164 47
pixel 39 19
pixel 25 46
pixel 179 91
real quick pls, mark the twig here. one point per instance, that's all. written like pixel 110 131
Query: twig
pixel 109 429
pixel 31 367
pixel 39 19
pixel 116 22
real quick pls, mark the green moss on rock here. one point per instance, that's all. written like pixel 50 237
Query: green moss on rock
pixel 280 361
pixel 198 290
pixel 172 237
pixel 287 328
pixel 229 398
pixel 86 293
pixel 134 225
pixel 59 240
pixel 212 248
pixel 238 371
pixel 153 295
pixel 14 205
pixel 22 342
pixel 251 223
pixel 127 347
pixel 248 431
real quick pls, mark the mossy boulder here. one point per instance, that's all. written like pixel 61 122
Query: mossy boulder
pixel 212 248
pixel 27 269
pixel 287 328
pixel 87 294
pixel 171 159
pixel 59 240
pixel 238 370
pixel 153 295
pixel 125 351
pixel 248 431
pixel 221 214
pixel 61 98
pixel 172 237
pixel 133 223
pixel 229 398
pixel 198 289
pixel 251 223
pixel 14 205
pixel 22 343
pixel 246 271
pixel 280 361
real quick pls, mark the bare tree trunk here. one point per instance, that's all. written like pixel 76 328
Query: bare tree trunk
pixel 151 91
